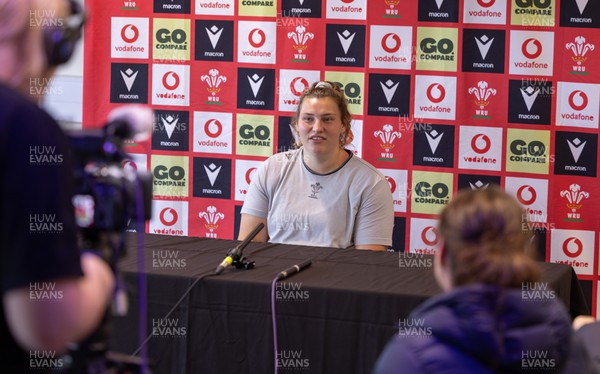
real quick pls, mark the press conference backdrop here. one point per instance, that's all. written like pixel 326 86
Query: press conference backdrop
pixel 445 94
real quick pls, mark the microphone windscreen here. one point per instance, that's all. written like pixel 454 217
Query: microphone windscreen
pixel 139 120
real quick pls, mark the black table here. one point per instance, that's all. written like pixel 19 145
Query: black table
pixel 335 317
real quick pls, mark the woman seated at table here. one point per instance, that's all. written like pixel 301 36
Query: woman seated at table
pixel 320 194
pixel 485 322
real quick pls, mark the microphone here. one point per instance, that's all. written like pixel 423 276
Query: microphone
pixel 235 253
pixel 293 270
pixel 130 122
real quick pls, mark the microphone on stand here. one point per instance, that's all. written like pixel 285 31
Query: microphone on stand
pixel 236 253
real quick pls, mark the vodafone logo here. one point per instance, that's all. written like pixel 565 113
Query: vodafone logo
pixel 252 38
pixel 298 86
pixel 430 236
pixel 347 1
pixel 257 38
pixel 530 44
pixel 170 80
pixel 485 4
pixel 213 128
pixel 436 93
pixel 391 43
pixel 249 175
pixel 572 247
pixel 436 98
pixel 481 143
pixel 526 195
pixel 129 37
pixel 392 183
pixel 578 100
pixel 168 216
pixel 130 33
pixel 170 86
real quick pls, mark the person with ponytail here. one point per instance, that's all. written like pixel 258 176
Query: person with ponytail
pixel 484 322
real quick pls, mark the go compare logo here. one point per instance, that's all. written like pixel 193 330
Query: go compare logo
pixel 437 48
pixel 254 135
pixel 431 191
pixel 528 151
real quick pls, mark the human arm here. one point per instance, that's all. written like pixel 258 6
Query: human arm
pixel 372 247
pixel 587 330
pixel 247 223
pixel 583 320
pixel 49 324
pixel 375 218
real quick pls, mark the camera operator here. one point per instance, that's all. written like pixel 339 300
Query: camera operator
pixel 51 294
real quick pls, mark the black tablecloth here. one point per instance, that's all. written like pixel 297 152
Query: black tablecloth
pixel 334 317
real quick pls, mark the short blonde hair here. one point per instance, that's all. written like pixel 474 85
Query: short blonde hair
pixel 486 240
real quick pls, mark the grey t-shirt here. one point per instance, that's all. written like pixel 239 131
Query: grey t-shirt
pixel 349 206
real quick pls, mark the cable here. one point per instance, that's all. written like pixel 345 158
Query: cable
pixel 143 302
pixel 202 276
pixel 283 275
pixel 274 320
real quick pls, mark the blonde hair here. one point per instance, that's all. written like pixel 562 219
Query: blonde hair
pixel 486 239
pixel 21 42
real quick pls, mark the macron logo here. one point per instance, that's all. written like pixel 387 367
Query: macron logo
pixel 213 172
pixel 581 4
pixel 255 83
pixel 576 146
pixel 484 43
pixel 439 3
pixel 389 89
pixel 529 95
pixel 346 39
pixel 434 138
pixel 214 34
pixel 170 123
pixel 479 185
pixel 129 78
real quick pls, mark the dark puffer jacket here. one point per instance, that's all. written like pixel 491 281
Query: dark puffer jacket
pixel 485 329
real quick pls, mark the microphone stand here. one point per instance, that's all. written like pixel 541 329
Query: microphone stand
pixel 234 256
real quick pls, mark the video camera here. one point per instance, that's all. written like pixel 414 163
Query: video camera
pixel 108 199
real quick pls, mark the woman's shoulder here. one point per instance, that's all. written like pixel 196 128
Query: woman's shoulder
pixel 364 167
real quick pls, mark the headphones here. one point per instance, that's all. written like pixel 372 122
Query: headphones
pixel 59 42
